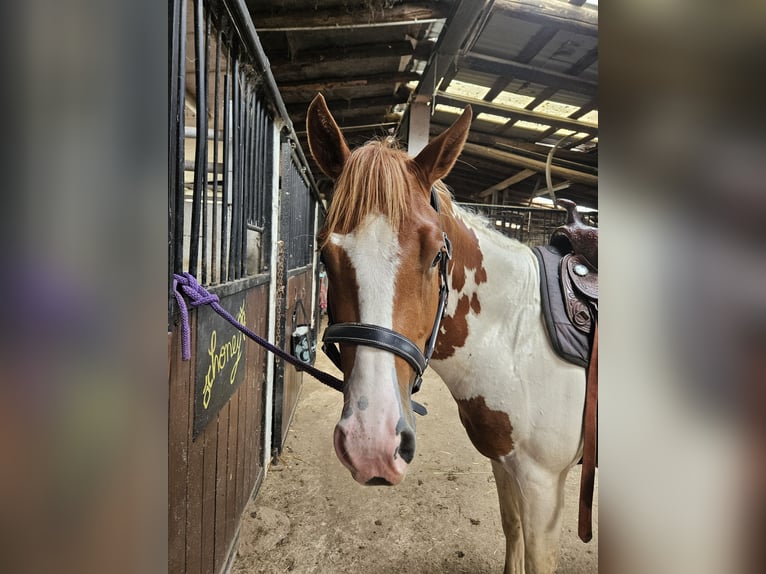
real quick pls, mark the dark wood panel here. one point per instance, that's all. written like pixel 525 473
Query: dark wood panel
pixel 209 498
pixel 194 501
pixel 222 458
pixel 194 483
pixel 231 484
pixel 179 425
pixel 257 301
pixel 241 430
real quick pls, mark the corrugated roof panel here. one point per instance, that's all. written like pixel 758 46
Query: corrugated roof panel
pixel 525 88
pixel 505 37
pixel 492 118
pixel 507 98
pixel 522 133
pixel 563 51
pixel 471 77
pixel 570 98
pixel 465 89
pixel 556 108
pixel 591 117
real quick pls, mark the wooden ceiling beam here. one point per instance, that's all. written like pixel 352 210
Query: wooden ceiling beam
pixel 459 26
pixel 581 160
pixel 343 16
pixel 533 47
pixel 480 106
pixel 298 111
pixel 508 69
pixel 335 83
pixel 370 123
pixel 550 13
pixel 313 57
pixel 576 68
pixel 577 114
pixel 506 183
pixel 527 163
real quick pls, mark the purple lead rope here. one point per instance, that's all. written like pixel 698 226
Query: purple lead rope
pixel 198 295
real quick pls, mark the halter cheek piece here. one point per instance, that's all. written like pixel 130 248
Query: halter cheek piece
pixel 388 340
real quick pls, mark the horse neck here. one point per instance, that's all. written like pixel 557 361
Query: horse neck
pixel 499 270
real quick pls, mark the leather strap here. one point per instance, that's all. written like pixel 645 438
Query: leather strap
pixel 378 337
pixel 590 446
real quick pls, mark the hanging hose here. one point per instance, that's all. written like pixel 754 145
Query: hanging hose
pixel 548 164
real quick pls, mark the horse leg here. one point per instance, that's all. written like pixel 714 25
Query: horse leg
pixel 541 504
pixel 507 493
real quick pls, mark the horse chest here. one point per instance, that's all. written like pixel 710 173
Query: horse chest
pixel 489 430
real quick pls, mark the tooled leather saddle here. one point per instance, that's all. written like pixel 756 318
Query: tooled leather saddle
pixel 569 292
pixel 569 286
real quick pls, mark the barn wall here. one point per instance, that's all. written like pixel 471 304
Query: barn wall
pixel 212 476
pixel 242 213
pixel 298 288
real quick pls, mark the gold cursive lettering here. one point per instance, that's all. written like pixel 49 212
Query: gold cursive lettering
pixel 221 356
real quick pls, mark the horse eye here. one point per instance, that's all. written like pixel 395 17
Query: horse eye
pixel 436 259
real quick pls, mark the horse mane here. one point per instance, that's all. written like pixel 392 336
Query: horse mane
pixel 374 180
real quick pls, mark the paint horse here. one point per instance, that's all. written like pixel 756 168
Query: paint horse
pixel 384 243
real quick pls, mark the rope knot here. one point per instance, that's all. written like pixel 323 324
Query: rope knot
pixel 187 284
pixel 196 293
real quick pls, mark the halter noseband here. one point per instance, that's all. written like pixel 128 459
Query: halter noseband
pixel 388 340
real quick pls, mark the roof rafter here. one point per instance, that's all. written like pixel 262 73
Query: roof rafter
pixel 539 166
pixel 359 16
pixel 507 182
pixel 480 106
pixel 313 57
pixel 506 68
pixel 551 13
pixel 326 84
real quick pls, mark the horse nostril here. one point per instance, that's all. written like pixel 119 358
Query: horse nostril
pixel 406 448
pixel 378 481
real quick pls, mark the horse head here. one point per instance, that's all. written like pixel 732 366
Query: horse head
pixel 381 243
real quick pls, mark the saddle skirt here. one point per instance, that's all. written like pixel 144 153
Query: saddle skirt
pixel 569 286
pixel 568 307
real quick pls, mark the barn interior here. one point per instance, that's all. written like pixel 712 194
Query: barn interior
pixel 528 68
pixel 245 198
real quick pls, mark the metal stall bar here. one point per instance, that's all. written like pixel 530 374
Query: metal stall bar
pixel 200 157
pixel 216 127
pixel 226 178
pixel 246 179
pixel 235 151
pixel 176 57
pixel 176 143
pixel 205 191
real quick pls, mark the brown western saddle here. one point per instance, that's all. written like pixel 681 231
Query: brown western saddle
pixel 569 289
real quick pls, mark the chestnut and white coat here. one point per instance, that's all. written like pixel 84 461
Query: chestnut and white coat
pixel 520 404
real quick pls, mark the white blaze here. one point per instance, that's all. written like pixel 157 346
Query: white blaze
pixel 373 249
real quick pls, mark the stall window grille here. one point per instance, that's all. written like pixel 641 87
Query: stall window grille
pixel 298 211
pixel 221 144
pixel 530 225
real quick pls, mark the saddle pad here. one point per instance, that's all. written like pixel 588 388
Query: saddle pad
pixel 567 340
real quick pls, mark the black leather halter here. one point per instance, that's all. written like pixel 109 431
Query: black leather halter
pixel 388 340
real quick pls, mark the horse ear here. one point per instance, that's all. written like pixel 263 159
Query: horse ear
pixel 438 157
pixel 326 142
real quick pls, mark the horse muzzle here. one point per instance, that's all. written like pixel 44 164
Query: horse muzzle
pixel 375 459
